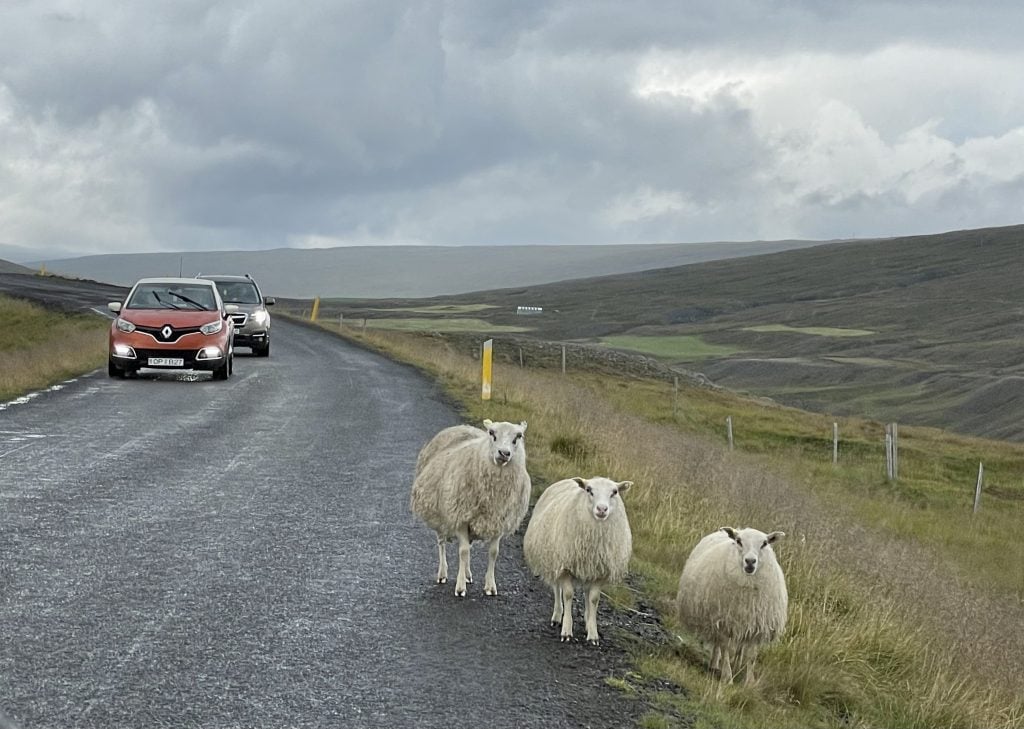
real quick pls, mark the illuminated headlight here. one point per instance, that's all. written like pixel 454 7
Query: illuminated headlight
pixel 123 350
pixel 212 328
pixel 209 353
pixel 260 317
pixel 125 326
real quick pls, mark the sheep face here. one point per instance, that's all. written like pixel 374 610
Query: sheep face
pixel 604 494
pixel 507 439
pixel 750 545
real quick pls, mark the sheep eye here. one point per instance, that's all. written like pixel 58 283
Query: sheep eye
pixel 492 434
pixel 590 491
pixel 516 439
pixel 615 492
pixel 765 544
pixel 739 541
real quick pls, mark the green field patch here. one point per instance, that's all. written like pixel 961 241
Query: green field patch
pixel 816 331
pixel 681 347
pixel 441 325
pixel 442 308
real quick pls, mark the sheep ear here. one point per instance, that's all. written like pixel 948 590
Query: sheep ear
pixel 523 425
pixel 487 423
pixel 775 536
pixel 623 486
pixel 580 482
pixel 731 532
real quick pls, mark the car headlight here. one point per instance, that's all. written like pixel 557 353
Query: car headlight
pixel 213 327
pixel 260 317
pixel 125 326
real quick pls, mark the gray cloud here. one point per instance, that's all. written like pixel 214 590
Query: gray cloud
pixel 241 124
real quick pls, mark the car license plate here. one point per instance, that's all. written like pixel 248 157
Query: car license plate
pixel 166 362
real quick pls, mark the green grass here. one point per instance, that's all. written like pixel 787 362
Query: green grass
pixel 816 331
pixel 441 308
pixel 682 347
pixel 905 610
pixel 39 347
pixel 441 325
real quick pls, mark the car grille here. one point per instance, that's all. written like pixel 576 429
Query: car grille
pixel 240 319
pixel 166 333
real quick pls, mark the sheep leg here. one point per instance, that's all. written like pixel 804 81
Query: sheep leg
pixel 716 659
pixel 556 614
pixel 726 665
pixel 565 583
pixel 748 654
pixel 460 581
pixel 490 588
pixel 593 598
pixel 442 560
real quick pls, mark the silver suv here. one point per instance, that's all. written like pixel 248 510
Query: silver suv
pixel 252 320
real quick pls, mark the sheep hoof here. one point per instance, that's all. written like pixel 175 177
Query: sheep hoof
pixel 566 638
pixel 491 591
pixel 594 641
pixel 460 593
pixel 442 580
pixel 555 623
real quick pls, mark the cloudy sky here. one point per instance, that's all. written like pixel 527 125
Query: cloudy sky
pixel 198 125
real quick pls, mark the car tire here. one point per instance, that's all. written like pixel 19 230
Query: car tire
pixel 115 371
pixel 223 372
pixel 263 351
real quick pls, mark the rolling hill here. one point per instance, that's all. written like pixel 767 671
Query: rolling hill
pixel 922 329
pixel 408 271
pixel 8 267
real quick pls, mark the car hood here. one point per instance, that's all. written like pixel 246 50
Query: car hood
pixel 174 317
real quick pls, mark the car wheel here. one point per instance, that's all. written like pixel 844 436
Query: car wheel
pixel 263 351
pixel 115 371
pixel 222 372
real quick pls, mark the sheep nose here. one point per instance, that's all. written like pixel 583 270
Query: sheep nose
pixel 505 454
pixel 601 510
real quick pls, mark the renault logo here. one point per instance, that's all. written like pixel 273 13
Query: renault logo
pixel 167 331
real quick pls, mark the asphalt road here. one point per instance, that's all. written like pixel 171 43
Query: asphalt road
pixel 181 552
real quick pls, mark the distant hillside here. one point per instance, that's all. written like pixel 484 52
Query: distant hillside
pixel 929 329
pixel 408 271
pixel 8 267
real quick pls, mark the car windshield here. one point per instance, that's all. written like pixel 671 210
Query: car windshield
pixel 238 292
pixel 172 296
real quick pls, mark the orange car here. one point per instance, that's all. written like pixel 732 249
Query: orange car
pixel 172 323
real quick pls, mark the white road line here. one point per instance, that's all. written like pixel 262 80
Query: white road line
pixel 15 450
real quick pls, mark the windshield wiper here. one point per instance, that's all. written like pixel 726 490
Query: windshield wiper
pixel 188 300
pixel 164 303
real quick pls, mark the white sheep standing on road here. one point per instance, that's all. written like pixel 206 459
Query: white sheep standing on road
pixel 579 531
pixel 472 484
pixel 732 594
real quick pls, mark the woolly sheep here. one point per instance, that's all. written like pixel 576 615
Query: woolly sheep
pixel 472 484
pixel 579 530
pixel 732 594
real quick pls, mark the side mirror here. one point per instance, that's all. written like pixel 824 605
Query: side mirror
pixel 269 300
pixel 115 306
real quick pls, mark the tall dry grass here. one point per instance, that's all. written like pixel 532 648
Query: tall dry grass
pixel 883 631
pixel 39 348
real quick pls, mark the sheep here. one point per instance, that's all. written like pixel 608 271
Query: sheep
pixel 472 484
pixel 579 531
pixel 732 594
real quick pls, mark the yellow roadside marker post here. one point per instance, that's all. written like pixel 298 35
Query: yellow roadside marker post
pixel 486 391
pixel 316 309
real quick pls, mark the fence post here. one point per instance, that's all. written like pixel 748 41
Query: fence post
pixel 675 396
pixel 835 443
pixel 316 309
pixel 896 451
pixel 520 357
pixel 977 488
pixel 341 321
pixel 563 359
pixel 888 452
pixel 728 428
pixel 364 324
